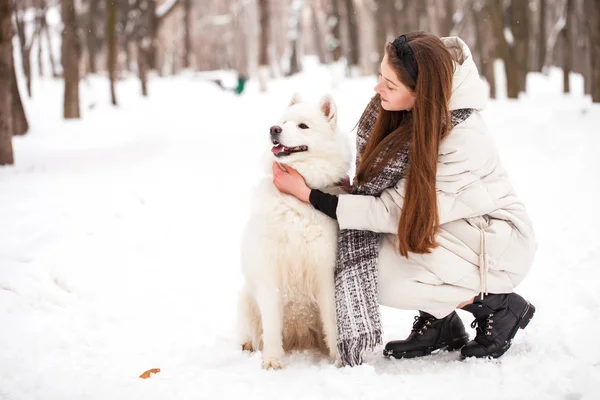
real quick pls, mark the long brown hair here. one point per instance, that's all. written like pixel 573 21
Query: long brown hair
pixel 420 130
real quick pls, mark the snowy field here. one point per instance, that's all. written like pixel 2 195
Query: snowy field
pixel 120 237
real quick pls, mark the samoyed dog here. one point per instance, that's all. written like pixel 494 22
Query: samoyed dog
pixel 289 248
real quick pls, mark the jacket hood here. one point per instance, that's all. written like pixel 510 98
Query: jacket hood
pixel 468 90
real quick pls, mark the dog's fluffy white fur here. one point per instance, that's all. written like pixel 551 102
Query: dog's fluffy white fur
pixel 289 248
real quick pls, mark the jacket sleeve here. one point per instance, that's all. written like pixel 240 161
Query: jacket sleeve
pixel 371 213
pixel 462 168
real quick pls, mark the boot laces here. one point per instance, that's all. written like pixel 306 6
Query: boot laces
pixel 484 325
pixel 421 324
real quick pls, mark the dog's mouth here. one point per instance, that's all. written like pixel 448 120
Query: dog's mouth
pixel 280 150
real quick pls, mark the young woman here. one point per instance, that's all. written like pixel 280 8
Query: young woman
pixel 432 222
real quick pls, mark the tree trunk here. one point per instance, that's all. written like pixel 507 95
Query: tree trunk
pixel 39 20
pixel 336 30
pixel 594 39
pixel 422 19
pixel 434 19
pixel 410 16
pixel 24 45
pixel 519 12
pixel 541 36
pixel 111 43
pixel 142 68
pixel 484 45
pixel 92 35
pixel 295 66
pixel 294 59
pixel 19 119
pixel 567 47
pixel 46 31
pixel 152 49
pixel 187 35
pixel 386 25
pixel 399 17
pixel 380 28
pixel 263 50
pixel 318 34
pixel 503 50
pixel 241 42
pixel 354 45
pixel 6 72
pixel 448 21
pixel 70 59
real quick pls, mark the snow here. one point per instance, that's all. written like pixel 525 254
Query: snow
pixel 120 237
pixel 508 36
pixel 165 7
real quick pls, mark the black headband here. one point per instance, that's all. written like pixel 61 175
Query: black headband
pixel 405 53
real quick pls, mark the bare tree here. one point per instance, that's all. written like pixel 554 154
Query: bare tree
pixel 296 33
pixel 484 45
pixel 241 17
pixel 381 26
pixel 142 34
pixel 187 40
pixel 422 18
pixel 45 30
pixel 440 14
pixel 336 29
pixel 19 119
pixel 111 44
pixel 555 32
pixel 386 24
pixel 6 67
pixel 504 42
pixel 567 47
pixel 519 48
pixel 40 19
pixel 541 42
pixel 354 45
pixel 92 35
pixel 593 11
pixel 318 32
pixel 263 47
pixel 410 16
pixel 25 44
pixel 70 51
pixel 448 20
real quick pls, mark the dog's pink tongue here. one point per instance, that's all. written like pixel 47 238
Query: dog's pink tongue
pixel 277 149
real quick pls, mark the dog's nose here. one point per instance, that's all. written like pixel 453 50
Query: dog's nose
pixel 275 130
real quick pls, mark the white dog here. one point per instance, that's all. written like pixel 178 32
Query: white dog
pixel 289 248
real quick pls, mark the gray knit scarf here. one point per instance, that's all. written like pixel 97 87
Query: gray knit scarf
pixel 357 306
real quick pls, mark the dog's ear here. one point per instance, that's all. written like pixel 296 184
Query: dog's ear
pixel 295 99
pixel 329 109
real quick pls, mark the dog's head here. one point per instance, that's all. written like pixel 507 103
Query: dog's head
pixel 307 138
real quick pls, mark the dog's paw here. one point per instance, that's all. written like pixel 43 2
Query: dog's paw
pixel 247 346
pixel 272 363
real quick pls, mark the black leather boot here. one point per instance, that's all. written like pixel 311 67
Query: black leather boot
pixel 429 334
pixel 498 317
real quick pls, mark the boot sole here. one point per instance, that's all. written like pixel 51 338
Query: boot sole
pixel 522 323
pixel 455 344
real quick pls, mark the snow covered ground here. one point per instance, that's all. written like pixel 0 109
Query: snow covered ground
pixel 119 250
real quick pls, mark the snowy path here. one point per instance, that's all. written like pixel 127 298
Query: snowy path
pixel 119 252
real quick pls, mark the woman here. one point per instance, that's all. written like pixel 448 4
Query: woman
pixel 432 222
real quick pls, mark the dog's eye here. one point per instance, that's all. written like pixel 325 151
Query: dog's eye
pixel 303 126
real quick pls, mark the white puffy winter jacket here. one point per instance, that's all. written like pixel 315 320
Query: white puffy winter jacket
pixel 486 240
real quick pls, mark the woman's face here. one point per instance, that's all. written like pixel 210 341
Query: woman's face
pixel 394 95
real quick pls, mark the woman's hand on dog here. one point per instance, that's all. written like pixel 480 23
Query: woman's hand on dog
pixel 290 182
